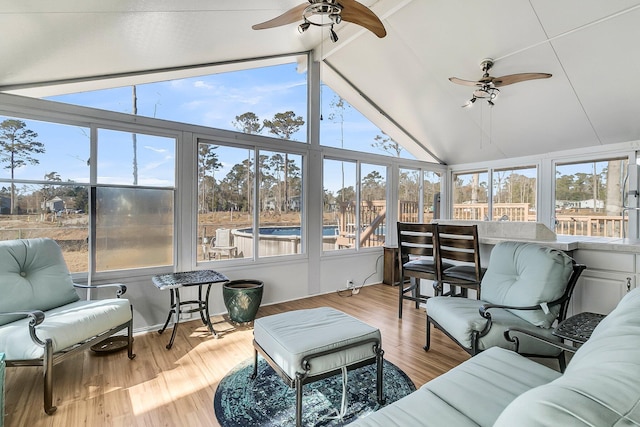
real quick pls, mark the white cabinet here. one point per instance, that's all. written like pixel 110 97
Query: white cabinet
pixel 608 277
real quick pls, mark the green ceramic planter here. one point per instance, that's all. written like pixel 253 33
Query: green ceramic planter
pixel 242 299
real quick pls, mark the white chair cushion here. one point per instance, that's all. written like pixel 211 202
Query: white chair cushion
pixel 601 385
pixel 461 317
pixel 472 394
pixel 66 326
pixel 34 277
pixel 527 274
pixel 288 337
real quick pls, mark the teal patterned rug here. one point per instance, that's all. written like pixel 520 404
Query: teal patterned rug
pixel 268 402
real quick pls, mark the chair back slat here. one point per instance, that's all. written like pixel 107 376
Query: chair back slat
pixel 415 239
pixel 456 255
pixel 458 243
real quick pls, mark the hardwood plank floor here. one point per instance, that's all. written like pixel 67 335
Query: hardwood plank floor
pixel 175 387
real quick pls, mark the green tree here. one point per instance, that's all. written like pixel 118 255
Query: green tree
pixel 386 144
pixel 338 109
pixel 17 147
pixel 373 187
pixel 284 125
pixel 48 190
pixel 207 163
pixel 235 186
pixel 247 123
pixel 346 195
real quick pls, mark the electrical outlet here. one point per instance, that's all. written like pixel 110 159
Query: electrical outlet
pixel 350 284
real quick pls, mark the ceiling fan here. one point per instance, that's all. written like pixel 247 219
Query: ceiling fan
pixel 313 12
pixel 487 86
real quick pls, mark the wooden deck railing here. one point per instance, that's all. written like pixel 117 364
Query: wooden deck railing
pixel 599 226
pixel 372 215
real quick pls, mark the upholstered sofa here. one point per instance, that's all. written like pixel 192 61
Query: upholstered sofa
pixel 498 387
pixel 43 321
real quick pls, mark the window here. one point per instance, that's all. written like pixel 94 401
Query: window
pixel 134 200
pixel 470 196
pixel 431 195
pixel 226 185
pixel 134 228
pixel 409 195
pixel 589 198
pixel 280 198
pixel 418 195
pixel 226 189
pixel 373 204
pixel 339 215
pixel 46 191
pixel 514 194
pixel 44 188
pixel 241 100
pixel 343 126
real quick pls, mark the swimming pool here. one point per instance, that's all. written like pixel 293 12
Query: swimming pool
pixel 273 241
pixel 328 230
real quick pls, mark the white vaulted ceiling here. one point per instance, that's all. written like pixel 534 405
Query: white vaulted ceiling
pixel 590 46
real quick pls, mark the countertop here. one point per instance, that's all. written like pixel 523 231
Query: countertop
pixel 572 243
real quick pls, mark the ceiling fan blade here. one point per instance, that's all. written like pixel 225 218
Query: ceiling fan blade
pixel 289 17
pixel 359 14
pixel 464 82
pixel 517 78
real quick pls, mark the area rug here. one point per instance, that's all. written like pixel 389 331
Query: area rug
pixel 268 402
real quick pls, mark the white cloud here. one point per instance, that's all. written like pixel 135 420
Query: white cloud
pixel 203 84
pixel 154 149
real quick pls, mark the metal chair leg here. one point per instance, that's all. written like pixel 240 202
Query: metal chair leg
pixel 47 366
pixel 298 384
pixel 400 299
pixel 379 375
pixel 428 336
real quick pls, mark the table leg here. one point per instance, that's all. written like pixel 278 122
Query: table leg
pixel 177 317
pixel 171 311
pixel 201 305
pixel 206 311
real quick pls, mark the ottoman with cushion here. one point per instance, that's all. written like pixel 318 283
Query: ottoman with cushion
pixel 303 346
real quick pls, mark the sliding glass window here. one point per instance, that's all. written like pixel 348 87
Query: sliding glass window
pixel 514 194
pixel 122 220
pixel 134 200
pixel 339 212
pixel 373 205
pixel 280 195
pixel 228 193
pixel 44 185
pixel 470 196
pixel 226 180
pixel 590 198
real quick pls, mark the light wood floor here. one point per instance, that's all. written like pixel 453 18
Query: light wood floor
pixel 175 387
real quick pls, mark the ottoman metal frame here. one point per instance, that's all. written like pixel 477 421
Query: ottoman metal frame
pixel 304 377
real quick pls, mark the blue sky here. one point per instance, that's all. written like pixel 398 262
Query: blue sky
pixel 212 100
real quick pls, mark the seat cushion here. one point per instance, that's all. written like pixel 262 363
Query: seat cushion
pixel 34 277
pixel 527 274
pixel 462 272
pixel 66 326
pixel 291 336
pixel 601 385
pixel 421 265
pixel 489 382
pixel 460 317
pixel 424 265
